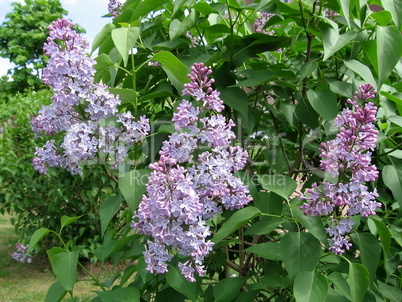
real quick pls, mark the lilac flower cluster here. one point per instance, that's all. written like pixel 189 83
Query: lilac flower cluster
pixel 195 41
pixel 79 108
pixel 338 243
pixel 261 21
pixel 347 157
pixel 21 254
pixel 189 186
pixel 114 7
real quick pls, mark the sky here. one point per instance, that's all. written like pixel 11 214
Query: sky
pixel 87 13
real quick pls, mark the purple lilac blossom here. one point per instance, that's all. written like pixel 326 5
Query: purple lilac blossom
pixel 21 254
pixel 185 188
pixel 261 21
pixel 79 108
pixel 347 157
pixel 114 8
pixel 336 230
pixel 195 41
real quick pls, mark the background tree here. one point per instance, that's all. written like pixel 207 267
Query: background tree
pixel 22 36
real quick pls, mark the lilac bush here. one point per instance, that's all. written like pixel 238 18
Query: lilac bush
pixel 187 230
pixel 84 110
pixel 347 157
pixel 190 185
pixel 21 254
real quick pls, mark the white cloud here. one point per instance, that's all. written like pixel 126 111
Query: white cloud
pixel 68 2
pixel 4 66
pixel 10 1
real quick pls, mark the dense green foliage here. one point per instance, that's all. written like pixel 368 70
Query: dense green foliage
pixel 41 200
pixel 289 86
pixel 22 36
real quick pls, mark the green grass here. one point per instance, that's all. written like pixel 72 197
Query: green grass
pixel 28 282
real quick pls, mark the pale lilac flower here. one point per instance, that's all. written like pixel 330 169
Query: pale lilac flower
pixel 80 108
pixel 260 25
pixel 336 230
pixel 330 14
pixel 47 156
pixel 156 256
pixel 261 21
pixel 347 156
pixel 114 8
pixel 195 41
pixel 188 187
pixel 21 254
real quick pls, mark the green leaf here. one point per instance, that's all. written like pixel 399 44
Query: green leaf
pixel 125 95
pixel 125 38
pixel 393 98
pixel 362 70
pixel 66 220
pixel 382 17
pixel 305 113
pixel 256 77
pixel 370 251
pixel 307 69
pixel 133 185
pixel 108 209
pixel 238 219
pixel 267 250
pixel 333 41
pixel 122 294
pixel 176 280
pixel 177 28
pixel 383 232
pixel 397 120
pixel 392 175
pixel 174 28
pixel 174 68
pixel 391 293
pixel 228 289
pixel 324 103
pixel 263 227
pixel 347 7
pixel 64 265
pixel 204 8
pixel 339 87
pixel 104 34
pixel 55 293
pixel 340 283
pixel 282 185
pixel 396 234
pixel 36 237
pixel 269 203
pixel 102 67
pixel 395 8
pixel 358 281
pixel 312 224
pixel 128 272
pixel 310 287
pixel 300 252
pixel 145 7
pixel 389 51
pixel 333 296
pixel 236 99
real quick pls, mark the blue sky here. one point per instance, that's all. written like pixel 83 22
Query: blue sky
pixel 87 13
